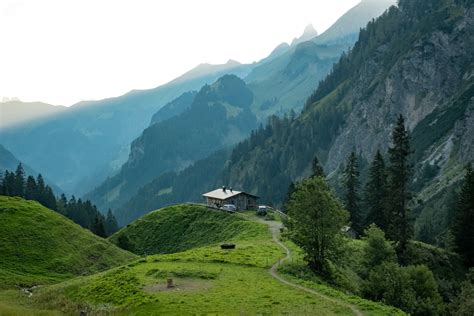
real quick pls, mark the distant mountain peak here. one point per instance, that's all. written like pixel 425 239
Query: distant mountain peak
pixel 232 62
pixel 308 34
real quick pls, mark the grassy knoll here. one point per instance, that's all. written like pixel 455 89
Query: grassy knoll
pixel 181 227
pixel 39 246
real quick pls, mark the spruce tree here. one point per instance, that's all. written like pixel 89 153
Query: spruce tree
pixel 4 183
pixel 49 198
pixel 19 186
pixel 375 195
pixel 463 226
pixel 111 223
pixel 62 204
pixel 2 190
pixel 41 189
pixel 289 192
pixel 400 171
pixel 352 184
pixel 317 170
pixel 31 190
pixel 98 227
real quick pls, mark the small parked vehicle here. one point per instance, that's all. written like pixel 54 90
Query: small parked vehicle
pixel 262 210
pixel 229 208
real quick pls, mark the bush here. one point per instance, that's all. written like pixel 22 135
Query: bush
pixel 412 289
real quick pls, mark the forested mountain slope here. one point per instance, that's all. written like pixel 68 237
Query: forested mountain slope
pixel 219 116
pixel 80 146
pixel 411 61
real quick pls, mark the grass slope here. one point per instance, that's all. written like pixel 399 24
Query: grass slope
pixel 208 280
pixel 40 246
pixel 182 227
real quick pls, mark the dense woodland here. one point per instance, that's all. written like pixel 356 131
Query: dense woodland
pixel 392 267
pixel 81 212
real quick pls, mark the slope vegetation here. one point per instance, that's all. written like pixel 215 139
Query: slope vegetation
pixel 182 227
pixel 38 245
pixel 207 279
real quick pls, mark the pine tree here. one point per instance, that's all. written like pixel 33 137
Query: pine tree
pixel 41 189
pixel 317 170
pixel 62 204
pixel 98 227
pixel 463 226
pixel 400 170
pixel 9 183
pixel 375 197
pixel 2 189
pixel 111 223
pixel 49 198
pixel 289 192
pixel 19 187
pixel 31 190
pixel 352 184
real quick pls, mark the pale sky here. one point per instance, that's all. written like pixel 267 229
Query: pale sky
pixel 65 51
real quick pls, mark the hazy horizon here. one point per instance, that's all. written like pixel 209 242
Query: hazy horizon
pixel 63 53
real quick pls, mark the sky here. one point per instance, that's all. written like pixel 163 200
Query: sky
pixel 64 51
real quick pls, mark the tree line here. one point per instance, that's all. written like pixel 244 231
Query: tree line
pixel 389 266
pixel 81 212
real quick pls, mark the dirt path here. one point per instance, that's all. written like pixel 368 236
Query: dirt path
pixel 275 229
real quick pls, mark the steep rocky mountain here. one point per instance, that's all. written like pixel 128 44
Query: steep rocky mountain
pixel 410 61
pixel 285 82
pixel 16 112
pixel 308 34
pixel 219 116
pixel 80 146
pixel 347 26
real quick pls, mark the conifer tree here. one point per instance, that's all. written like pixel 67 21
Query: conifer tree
pixel 375 195
pixel 49 199
pixel 317 170
pixel 62 204
pixel 352 184
pixel 111 223
pixel 98 227
pixel 41 188
pixel 31 190
pixel 9 183
pixel 19 186
pixel 1 184
pixel 463 226
pixel 400 170
pixel 289 192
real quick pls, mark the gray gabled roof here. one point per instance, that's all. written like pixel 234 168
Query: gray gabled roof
pixel 220 194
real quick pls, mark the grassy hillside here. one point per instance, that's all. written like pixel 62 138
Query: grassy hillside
pixel 207 279
pixel 182 227
pixel 40 246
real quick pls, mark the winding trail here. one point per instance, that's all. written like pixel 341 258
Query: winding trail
pixel 275 230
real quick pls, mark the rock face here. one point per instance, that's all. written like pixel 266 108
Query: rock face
pixel 428 76
pixel 413 60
